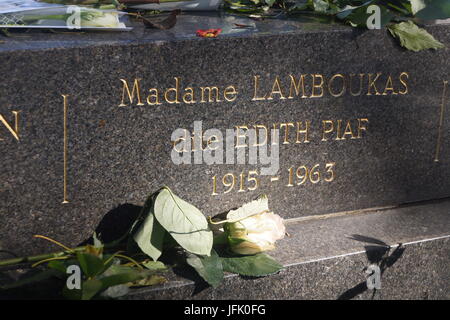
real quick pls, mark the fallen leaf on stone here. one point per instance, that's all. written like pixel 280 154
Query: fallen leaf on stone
pixel 150 281
pixel 414 38
pixel 209 33
pixel 238 25
pixel 138 1
pixel 165 24
pixel 256 17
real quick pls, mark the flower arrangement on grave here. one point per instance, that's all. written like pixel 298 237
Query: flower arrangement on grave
pixel 400 17
pixel 167 229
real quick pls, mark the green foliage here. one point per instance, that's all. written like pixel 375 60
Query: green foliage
pixel 89 289
pixel 150 235
pixel 257 265
pixel 165 221
pixel 417 5
pixel 354 13
pixel 209 268
pixel 90 264
pixel 165 213
pixel 434 9
pixel 116 277
pixel 184 222
pixel 358 16
pixel 58 266
pixel 414 38
pixel 154 265
pixel 165 216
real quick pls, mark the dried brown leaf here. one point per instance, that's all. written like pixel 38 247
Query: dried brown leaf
pixel 165 24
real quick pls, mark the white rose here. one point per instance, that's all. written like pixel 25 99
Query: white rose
pixel 99 19
pixel 256 233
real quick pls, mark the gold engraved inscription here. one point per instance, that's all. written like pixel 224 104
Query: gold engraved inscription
pixel 65 146
pixel 13 130
pixel 336 85
pixel 295 132
pixel 342 130
pixel 175 94
pixel 441 120
pixel 251 180
pixel 282 87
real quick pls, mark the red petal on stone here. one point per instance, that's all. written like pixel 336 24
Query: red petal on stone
pixel 209 33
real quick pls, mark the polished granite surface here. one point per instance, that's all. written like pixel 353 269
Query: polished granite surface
pixel 187 25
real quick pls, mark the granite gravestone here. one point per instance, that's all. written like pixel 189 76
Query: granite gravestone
pixel 92 122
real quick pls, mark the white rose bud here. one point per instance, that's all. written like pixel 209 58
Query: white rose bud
pixel 99 19
pixel 256 233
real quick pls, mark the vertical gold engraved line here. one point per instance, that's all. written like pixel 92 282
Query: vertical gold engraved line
pixel 65 148
pixel 441 121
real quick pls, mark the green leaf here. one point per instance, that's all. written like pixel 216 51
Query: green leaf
pixel 417 5
pixel 108 261
pixel 221 238
pixel 150 234
pixel 149 281
pixel 414 38
pixel 121 278
pixel 249 209
pixel 235 241
pixel 116 269
pixel 72 294
pixel 320 6
pixel 435 9
pixel 399 6
pixel 184 222
pixel 269 2
pixel 257 265
pixel 58 265
pixel 115 291
pixel 117 275
pixel 347 10
pixel 90 288
pixel 358 16
pixel 300 5
pixel 132 276
pixel 154 265
pixel 90 264
pixel 209 268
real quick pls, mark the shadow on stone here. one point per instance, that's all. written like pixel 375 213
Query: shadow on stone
pixel 187 272
pixel 361 238
pixel 353 292
pixel 376 254
pixel 116 222
pixel 42 288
